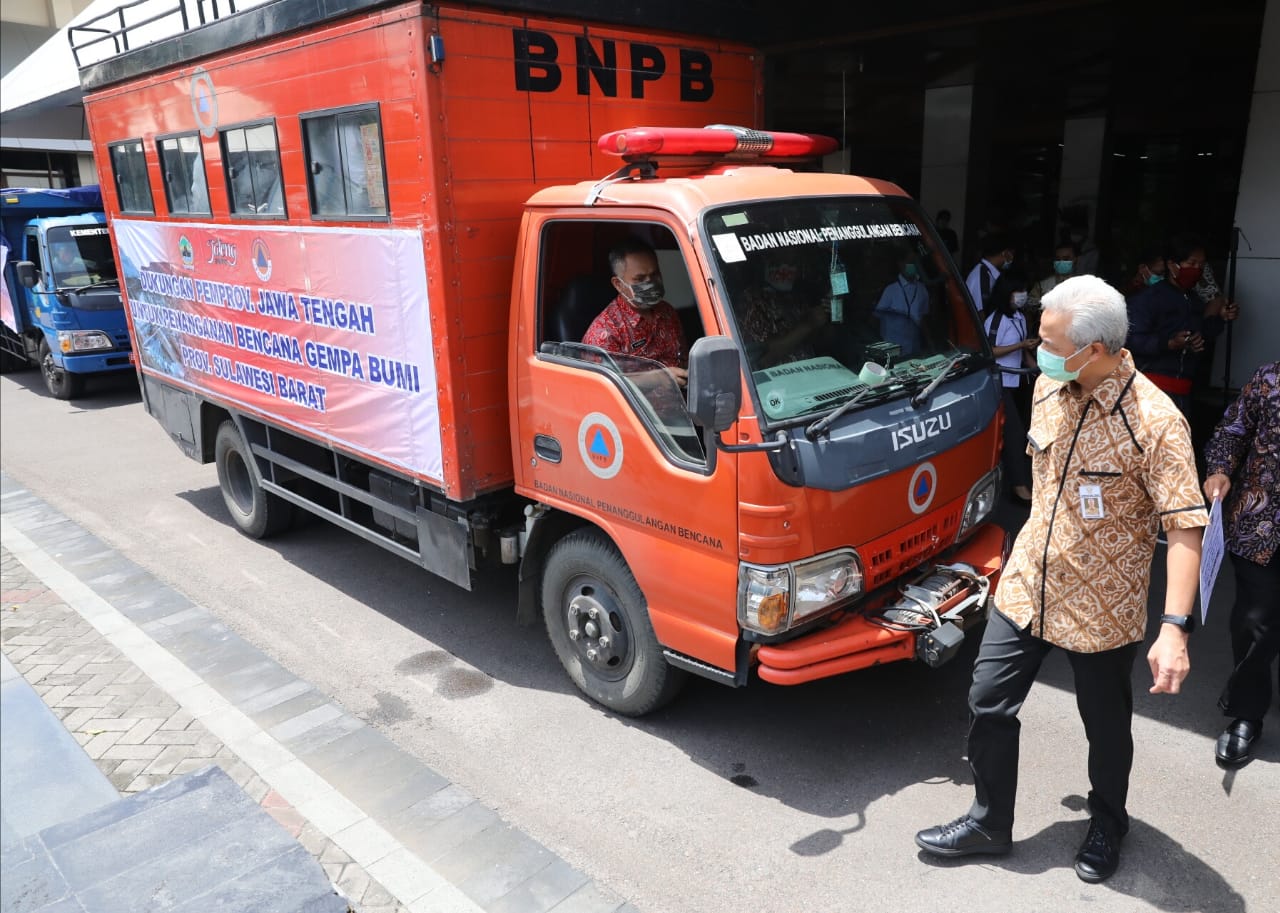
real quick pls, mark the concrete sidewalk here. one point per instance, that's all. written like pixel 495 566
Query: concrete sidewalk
pixel 154 687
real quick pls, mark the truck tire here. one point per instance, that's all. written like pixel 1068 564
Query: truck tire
pixel 61 384
pixel 599 626
pixel 257 513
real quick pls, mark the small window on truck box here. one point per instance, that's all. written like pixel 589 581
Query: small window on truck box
pixel 129 171
pixel 346 177
pixel 251 157
pixel 182 164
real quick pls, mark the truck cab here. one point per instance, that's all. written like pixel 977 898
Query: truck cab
pixel 813 502
pixel 63 309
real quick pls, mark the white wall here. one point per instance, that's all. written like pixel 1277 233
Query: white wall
pixel 1256 338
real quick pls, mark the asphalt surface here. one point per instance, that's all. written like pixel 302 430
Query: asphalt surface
pixel 765 798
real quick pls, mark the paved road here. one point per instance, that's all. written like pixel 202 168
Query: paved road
pixel 764 798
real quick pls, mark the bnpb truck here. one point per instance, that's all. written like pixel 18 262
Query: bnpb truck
pixel 60 305
pixel 361 245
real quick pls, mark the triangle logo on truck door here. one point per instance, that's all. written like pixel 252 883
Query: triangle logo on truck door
pixel 600 445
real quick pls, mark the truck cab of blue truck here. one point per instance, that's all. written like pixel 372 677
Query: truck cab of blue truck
pixel 61 308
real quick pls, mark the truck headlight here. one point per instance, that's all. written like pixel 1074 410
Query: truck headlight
pixel 83 340
pixel 764 598
pixel 824 581
pixel 775 598
pixel 982 500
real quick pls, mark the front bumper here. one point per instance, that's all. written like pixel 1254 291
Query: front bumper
pixel 97 362
pixel 856 642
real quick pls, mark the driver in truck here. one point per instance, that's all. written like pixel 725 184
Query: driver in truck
pixel 639 322
pixel 69 267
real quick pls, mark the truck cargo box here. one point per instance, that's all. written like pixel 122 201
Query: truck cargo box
pixel 343 196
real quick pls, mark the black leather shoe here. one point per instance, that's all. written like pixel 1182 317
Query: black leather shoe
pixel 1235 745
pixel 963 837
pixel 1099 855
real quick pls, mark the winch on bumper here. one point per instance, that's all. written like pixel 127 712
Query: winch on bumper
pixel 926 619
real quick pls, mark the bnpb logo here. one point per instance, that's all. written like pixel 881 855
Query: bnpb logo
pixel 186 252
pixel 600 445
pixel 261 260
pixel 204 102
pixel 924 485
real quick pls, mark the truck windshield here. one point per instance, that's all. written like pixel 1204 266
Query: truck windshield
pixel 832 294
pixel 80 257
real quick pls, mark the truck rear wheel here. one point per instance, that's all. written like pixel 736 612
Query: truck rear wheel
pixel 598 623
pixel 61 384
pixel 256 512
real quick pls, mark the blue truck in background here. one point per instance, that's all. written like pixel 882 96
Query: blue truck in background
pixel 60 305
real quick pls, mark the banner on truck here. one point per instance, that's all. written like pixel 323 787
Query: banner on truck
pixel 325 330
pixel 7 317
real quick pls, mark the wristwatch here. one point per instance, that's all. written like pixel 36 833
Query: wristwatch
pixel 1186 622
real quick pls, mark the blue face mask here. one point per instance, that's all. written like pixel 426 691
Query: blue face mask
pixel 1154 279
pixel 1063 267
pixel 910 271
pixel 1054 367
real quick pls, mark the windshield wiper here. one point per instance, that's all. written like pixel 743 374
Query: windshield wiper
pixel 826 421
pixel 101 283
pixel 939 378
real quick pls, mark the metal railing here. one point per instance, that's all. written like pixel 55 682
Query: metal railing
pixel 115 26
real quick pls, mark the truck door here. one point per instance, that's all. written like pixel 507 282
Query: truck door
pixel 604 434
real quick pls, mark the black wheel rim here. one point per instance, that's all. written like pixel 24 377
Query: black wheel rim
pixel 598 628
pixel 52 373
pixel 239 482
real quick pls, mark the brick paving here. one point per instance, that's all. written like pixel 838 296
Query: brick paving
pixel 133 730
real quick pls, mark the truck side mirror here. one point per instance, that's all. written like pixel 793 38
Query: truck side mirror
pixel 715 383
pixel 28 275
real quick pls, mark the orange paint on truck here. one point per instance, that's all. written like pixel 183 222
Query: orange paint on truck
pixel 378 316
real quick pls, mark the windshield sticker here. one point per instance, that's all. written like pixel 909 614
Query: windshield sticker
pixel 730 250
pixel 731 219
pixel 797 237
pixel 81 232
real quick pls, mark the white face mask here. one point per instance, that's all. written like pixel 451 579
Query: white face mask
pixel 1019 299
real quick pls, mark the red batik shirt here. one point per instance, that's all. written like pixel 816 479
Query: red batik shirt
pixel 656 334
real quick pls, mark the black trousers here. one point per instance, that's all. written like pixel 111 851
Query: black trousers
pixel 1008 662
pixel 1013 456
pixel 1255 638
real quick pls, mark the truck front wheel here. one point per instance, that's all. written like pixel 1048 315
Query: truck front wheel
pixel 257 513
pixel 599 626
pixel 60 383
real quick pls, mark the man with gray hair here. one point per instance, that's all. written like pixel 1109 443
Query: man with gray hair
pixel 1111 462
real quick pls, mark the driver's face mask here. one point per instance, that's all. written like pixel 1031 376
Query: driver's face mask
pixel 644 296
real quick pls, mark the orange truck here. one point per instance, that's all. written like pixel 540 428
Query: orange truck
pixel 362 242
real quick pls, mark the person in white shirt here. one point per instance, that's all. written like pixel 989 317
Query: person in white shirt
pixel 903 305
pixel 997 254
pixel 1006 329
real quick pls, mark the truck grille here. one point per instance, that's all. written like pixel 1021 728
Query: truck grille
pixel 890 556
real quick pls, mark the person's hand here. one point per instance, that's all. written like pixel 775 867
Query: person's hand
pixel 1178 341
pixel 1031 343
pixel 1217 486
pixel 1195 342
pixel 1169 661
pixel 1230 311
pixel 680 376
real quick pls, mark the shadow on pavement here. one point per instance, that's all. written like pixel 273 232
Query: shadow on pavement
pixel 1154 867
pixel 828 748
pixel 101 391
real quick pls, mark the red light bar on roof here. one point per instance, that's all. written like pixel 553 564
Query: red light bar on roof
pixel 717 140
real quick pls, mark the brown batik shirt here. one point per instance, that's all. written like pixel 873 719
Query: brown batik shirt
pixel 1109 469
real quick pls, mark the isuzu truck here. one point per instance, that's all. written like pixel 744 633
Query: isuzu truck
pixel 362 243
